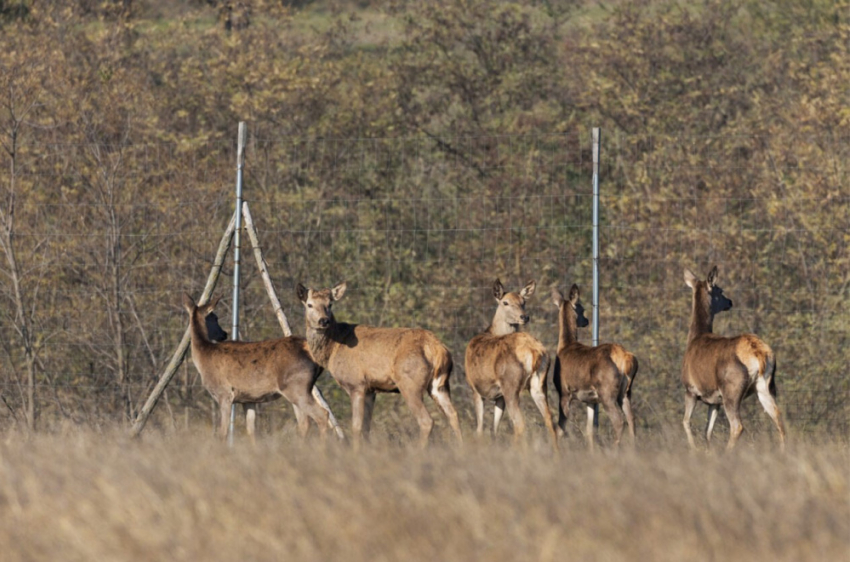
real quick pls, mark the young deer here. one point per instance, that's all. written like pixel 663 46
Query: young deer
pixel 365 360
pixel 593 375
pixel 249 373
pixel 503 361
pixel 720 370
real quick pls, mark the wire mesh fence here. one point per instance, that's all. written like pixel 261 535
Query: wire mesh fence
pixel 108 235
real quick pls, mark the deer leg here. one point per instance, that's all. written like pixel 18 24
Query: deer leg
pixel 251 421
pixel 358 410
pixel 615 413
pixel 442 396
pixel 299 415
pixel 733 414
pixel 224 405
pixel 331 423
pixel 478 401
pixel 420 412
pixel 767 398
pixel 630 417
pixel 588 431
pixel 302 422
pixel 299 396
pixel 538 394
pixel 690 404
pixel 497 414
pixel 713 409
pixel 563 413
pixel 515 413
pixel 308 408
pixel 368 408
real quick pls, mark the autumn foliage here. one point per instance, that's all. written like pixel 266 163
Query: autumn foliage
pixel 419 150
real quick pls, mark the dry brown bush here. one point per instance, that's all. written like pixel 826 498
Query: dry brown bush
pixel 95 496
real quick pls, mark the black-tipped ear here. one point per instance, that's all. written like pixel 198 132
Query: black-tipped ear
pixel 574 294
pixel 528 290
pixel 302 292
pixel 338 291
pixel 557 297
pixel 712 276
pixel 188 303
pixel 498 290
pixel 690 279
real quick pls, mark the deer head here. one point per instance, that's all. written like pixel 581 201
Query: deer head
pixel 511 306
pixel 574 304
pixel 318 305
pixel 708 296
pixel 205 312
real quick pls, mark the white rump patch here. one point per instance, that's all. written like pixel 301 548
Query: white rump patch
pixel 436 384
pixel 752 364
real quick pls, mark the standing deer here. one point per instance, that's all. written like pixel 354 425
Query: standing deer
pixel 720 370
pixel 249 373
pixel 365 360
pixel 503 361
pixel 592 375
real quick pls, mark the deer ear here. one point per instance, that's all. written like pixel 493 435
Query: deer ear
pixel 188 303
pixel 712 276
pixel 690 279
pixel 302 292
pixel 498 290
pixel 557 297
pixel 210 306
pixel 338 291
pixel 528 290
pixel 574 294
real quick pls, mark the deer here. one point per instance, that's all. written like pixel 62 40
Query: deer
pixel 502 361
pixel 249 373
pixel 365 360
pixel 602 374
pixel 722 370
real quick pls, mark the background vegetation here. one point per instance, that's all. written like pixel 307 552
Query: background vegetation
pixel 419 150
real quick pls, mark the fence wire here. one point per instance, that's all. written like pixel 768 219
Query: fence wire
pixel 108 236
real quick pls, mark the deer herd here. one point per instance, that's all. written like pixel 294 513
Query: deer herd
pixel 500 363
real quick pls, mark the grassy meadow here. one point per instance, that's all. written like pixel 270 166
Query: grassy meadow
pixel 83 495
pixel 419 151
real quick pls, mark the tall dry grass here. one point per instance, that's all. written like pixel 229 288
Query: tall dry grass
pixel 100 496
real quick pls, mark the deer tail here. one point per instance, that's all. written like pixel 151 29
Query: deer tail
pixel 770 371
pixel 541 362
pixel 443 365
pixel 631 370
pixel 627 363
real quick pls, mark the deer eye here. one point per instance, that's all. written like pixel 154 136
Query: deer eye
pixel 505 303
pixel 309 305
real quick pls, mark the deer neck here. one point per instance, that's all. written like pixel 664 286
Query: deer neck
pixel 567 326
pixel 322 343
pixel 198 331
pixel 500 327
pixel 701 319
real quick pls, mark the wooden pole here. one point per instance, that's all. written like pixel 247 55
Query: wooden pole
pixel 177 358
pixel 278 309
pixel 264 270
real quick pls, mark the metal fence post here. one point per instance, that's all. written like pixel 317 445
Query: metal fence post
pixel 594 410
pixel 237 251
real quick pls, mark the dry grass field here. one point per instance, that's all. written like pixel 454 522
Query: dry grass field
pixel 99 496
